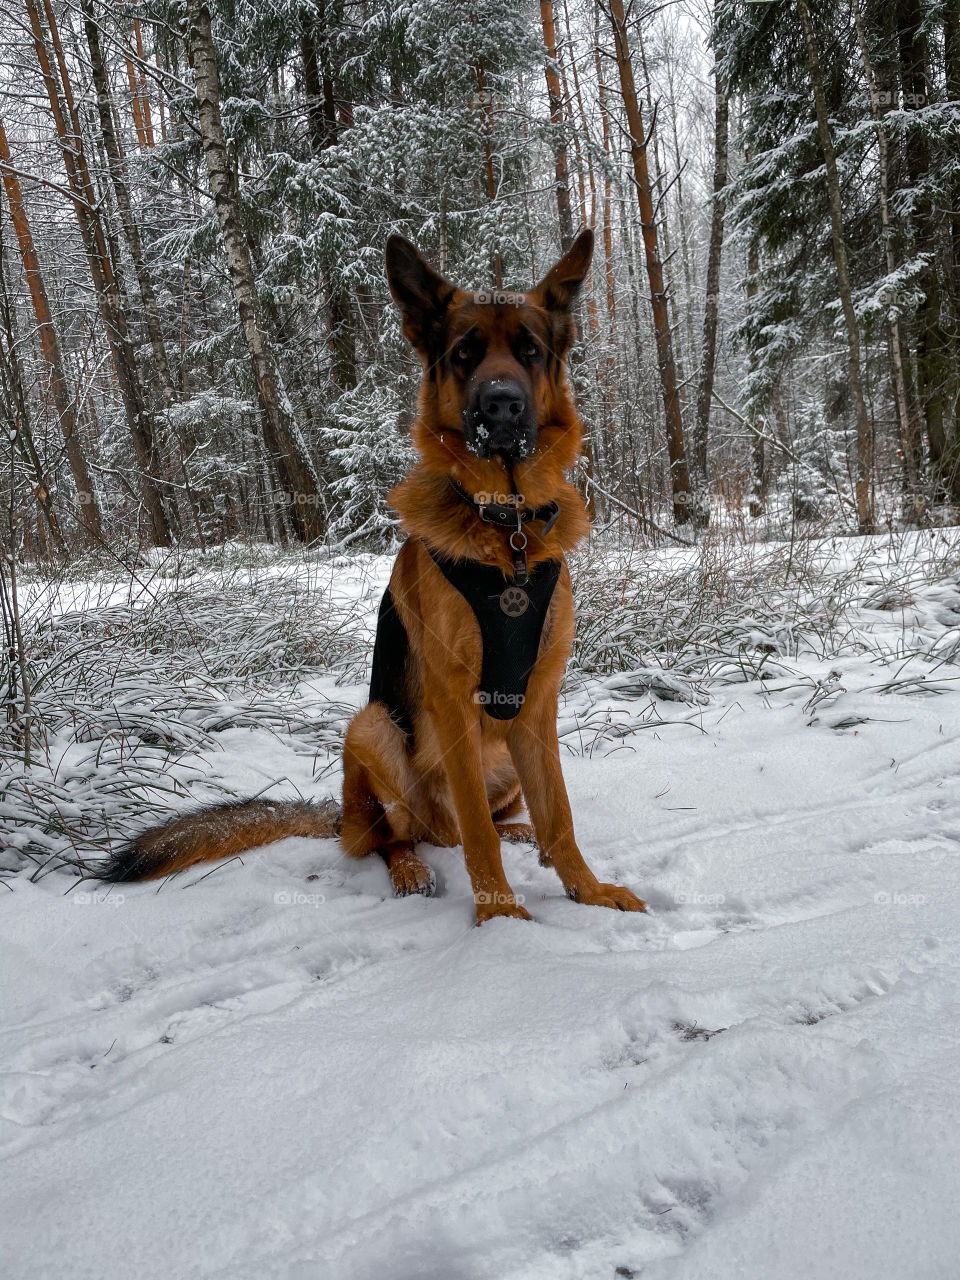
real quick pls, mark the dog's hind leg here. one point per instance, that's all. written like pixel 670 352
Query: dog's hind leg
pixel 379 786
pixel 378 783
pixel 506 803
pixel 505 799
pixel 504 810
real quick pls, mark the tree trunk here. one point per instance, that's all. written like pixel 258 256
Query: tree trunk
pixel 681 205
pixel 485 103
pixel 283 442
pixel 561 164
pixel 588 301
pixel 864 469
pixel 109 299
pixel 933 372
pixel 607 181
pixel 17 413
pixel 138 85
pixel 88 515
pixel 321 105
pixel 660 187
pixel 584 168
pixel 910 448
pixel 758 468
pixel 323 128
pixel 951 51
pixel 679 474
pixel 711 308
pixel 951 48
pixel 131 232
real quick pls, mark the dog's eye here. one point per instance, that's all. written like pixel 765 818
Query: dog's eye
pixel 462 353
pixel 529 350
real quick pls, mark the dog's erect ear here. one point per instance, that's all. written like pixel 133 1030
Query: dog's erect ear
pixel 420 292
pixel 558 288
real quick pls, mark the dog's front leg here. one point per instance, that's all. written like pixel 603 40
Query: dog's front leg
pixel 458 734
pixel 535 750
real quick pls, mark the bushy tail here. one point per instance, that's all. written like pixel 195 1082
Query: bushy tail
pixel 222 831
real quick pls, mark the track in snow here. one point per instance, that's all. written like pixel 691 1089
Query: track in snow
pixel 276 1071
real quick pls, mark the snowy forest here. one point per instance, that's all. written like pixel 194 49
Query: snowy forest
pixel 196 339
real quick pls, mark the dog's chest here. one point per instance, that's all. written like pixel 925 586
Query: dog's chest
pixel 511 621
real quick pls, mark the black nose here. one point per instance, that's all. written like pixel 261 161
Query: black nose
pixel 502 404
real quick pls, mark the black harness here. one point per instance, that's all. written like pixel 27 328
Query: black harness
pixel 509 612
pixel 388 676
pixel 511 621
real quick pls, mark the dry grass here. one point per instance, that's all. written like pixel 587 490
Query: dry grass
pixel 130 694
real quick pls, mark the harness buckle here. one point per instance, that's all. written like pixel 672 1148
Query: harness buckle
pixel 518 547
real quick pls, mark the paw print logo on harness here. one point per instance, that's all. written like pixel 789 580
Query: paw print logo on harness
pixel 514 602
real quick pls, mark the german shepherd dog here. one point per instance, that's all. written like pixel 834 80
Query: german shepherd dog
pixel 476 625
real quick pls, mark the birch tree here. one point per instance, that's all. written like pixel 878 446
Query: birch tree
pixel 666 364
pixel 284 444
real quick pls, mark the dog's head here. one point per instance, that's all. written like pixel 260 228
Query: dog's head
pixel 494 362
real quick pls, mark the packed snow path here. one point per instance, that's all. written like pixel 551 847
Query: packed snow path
pixel 279 1071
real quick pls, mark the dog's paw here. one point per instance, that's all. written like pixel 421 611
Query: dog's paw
pixel 499 904
pixel 616 896
pixel 409 875
pixel 516 832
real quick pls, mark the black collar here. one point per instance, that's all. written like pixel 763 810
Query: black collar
pixel 510 515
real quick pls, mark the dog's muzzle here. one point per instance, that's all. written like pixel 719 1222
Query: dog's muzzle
pixel 498 419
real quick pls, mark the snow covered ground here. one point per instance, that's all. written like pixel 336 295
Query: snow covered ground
pixel 273 1069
